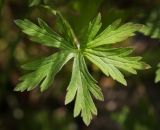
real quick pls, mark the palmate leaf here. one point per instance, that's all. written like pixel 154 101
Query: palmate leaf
pixel 157 79
pixel 82 86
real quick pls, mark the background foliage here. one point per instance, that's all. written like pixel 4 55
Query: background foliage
pixel 134 107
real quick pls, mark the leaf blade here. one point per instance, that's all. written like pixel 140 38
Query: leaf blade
pixel 81 87
pixel 41 34
pixel 94 27
pixel 43 74
pixel 114 34
pixel 157 79
pixel 111 60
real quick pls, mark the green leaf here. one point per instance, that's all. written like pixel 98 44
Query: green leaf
pixel 107 68
pixel 152 21
pixel 157 79
pixel 114 33
pixel 43 71
pixel 67 31
pixel 81 86
pixel 93 28
pixel 86 10
pixel 34 2
pixel 111 60
pixel 42 34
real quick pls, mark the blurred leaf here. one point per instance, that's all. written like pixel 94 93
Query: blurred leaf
pixel 121 116
pixel 34 2
pixel 152 27
pixel 127 116
pixel 1 4
pixel 158 74
pixel 65 28
pixel 84 11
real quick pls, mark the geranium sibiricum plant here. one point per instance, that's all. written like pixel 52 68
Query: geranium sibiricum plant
pixel 96 47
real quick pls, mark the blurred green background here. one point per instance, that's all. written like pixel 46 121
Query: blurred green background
pixel 135 107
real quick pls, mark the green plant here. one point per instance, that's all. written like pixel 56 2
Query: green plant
pixel 34 2
pixel 96 47
pixel 158 74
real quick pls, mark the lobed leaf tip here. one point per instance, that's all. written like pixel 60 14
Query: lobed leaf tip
pixel 66 101
pixel 17 21
pixel 86 122
pixel 147 66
